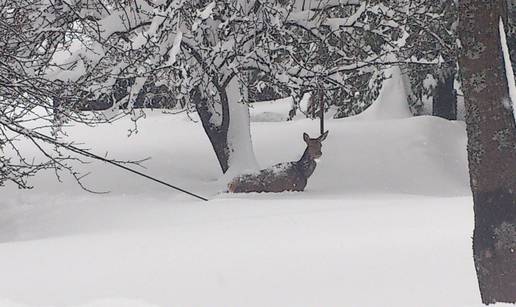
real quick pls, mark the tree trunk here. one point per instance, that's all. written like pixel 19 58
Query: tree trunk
pixel 491 133
pixel 228 129
pixel 241 154
pixel 217 131
pixel 445 97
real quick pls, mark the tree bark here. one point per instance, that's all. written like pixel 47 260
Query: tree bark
pixel 445 97
pixel 491 133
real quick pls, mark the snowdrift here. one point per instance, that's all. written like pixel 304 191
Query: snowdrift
pixel 420 155
pixel 386 220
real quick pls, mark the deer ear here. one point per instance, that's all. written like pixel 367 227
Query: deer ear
pixel 306 138
pixel 323 136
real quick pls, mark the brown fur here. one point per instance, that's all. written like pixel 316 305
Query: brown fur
pixel 288 176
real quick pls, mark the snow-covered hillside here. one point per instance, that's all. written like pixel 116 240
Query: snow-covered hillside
pixel 386 220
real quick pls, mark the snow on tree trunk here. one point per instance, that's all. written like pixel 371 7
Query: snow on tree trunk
pixel 241 155
pixel 491 132
pixel 227 125
pixel 510 103
pixel 511 30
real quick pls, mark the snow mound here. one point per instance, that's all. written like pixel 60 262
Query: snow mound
pixel 392 102
pixel 422 155
pixel 95 303
pixel 418 155
pixel 271 111
pixel 386 200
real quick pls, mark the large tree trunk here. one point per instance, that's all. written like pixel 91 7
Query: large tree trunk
pixel 227 126
pixel 491 132
pixel 445 97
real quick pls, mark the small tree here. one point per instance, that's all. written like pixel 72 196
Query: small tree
pixel 491 132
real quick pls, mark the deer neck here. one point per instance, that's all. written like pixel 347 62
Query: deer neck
pixel 306 164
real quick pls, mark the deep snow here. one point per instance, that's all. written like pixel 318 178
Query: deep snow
pixel 386 220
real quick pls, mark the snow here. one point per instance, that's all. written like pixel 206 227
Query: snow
pixel 203 15
pixel 386 220
pixel 242 159
pixel 254 253
pixel 508 71
pixel 336 23
pixel 113 22
pixel 176 48
pixel 207 12
pixel 96 303
pixel 139 82
pixel 271 111
pixel 429 82
pixel 392 100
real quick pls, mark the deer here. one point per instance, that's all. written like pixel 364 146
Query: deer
pixel 286 176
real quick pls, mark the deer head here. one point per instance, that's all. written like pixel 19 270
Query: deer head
pixel 313 146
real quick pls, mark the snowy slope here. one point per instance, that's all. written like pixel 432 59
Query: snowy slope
pixel 386 220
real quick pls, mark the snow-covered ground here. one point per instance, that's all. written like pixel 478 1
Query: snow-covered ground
pixel 386 220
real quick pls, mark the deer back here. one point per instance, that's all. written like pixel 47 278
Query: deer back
pixel 278 178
